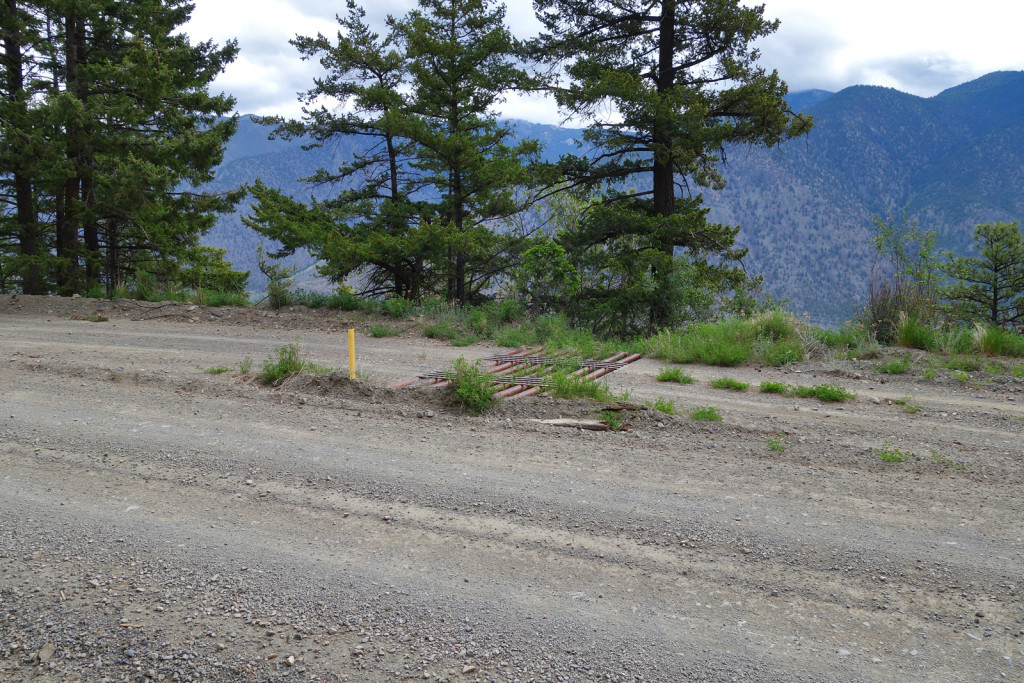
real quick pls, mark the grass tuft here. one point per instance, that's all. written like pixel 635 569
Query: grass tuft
pixel 709 414
pixel 675 374
pixel 770 387
pixel 472 386
pixel 729 383
pixel 894 366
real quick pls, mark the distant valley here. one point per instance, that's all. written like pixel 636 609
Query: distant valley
pixel 953 160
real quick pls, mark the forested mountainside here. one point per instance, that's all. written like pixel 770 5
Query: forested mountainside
pixel 805 208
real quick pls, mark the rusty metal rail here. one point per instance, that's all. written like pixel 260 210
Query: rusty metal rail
pixel 523 372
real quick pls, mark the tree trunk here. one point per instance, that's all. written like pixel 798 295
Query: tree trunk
pixel 664 188
pixel 68 280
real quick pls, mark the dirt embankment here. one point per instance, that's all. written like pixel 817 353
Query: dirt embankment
pixel 159 522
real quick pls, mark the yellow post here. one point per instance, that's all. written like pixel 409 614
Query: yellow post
pixel 351 354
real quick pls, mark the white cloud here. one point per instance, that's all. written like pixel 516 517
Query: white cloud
pixel 919 46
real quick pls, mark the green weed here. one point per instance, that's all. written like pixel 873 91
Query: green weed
pixel 960 376
pixel 963 363
pixel 1017 371
pixel 909 405
pixel 771 387
pixel 614 420
pixel 220 370
pixel 709 414
pixel 675 374
pixel 282 362
pixel 666 406
pixel 571 386
pixel 382 330
pixel 472 386
pixel 776 443
pixel 890 453
pixel 245 365
pixel 729 383
pixel 894 367
pixel 827 393
pixel 940 459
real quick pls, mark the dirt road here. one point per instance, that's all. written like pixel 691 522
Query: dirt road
pixel 159 522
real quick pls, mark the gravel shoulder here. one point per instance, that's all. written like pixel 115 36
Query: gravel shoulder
pixel 159 522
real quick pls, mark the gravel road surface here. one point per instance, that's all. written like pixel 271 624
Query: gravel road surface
pixel 158 522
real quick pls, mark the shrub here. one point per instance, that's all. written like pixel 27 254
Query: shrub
pixel 208 297
pixel 729 383
pixel 344 301
pixel 397 307
pixel 770 387
pixel 304 297
pixel 776 443
pixel 709 414
pixel 472 386
pixel 675 374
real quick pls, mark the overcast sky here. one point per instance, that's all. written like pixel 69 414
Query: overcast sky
pixel 917 46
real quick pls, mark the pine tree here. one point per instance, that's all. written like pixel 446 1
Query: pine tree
pixel 462 61
pixel 681 81
pixel 990 286
pixel 372 221
pixel 130 124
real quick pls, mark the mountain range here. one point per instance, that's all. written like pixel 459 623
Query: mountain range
pixel 805 207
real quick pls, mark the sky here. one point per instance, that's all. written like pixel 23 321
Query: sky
pixel 917 46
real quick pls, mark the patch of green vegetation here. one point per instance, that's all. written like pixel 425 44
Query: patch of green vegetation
pixel 771 338
pixel 827 393
pixel 730 384
pixel 379 330
pixel 940 459
pixel 776 443
pixel 397 307
pixel 217 298
pixel 771 387
pixel 675 374
pixel 565 384
pixel 283 362
pixel 909 405
pixel 614 420
pixel 894 366
pixel 472 386
pixel 665 405
pixel 994 368
pixel 963 363
pixel 219 370
pixel 960 376
pixel 1017 371
pixel 465 341
pixel 913 334
pixel 890 453
pixel 709 414
pixel 245 365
